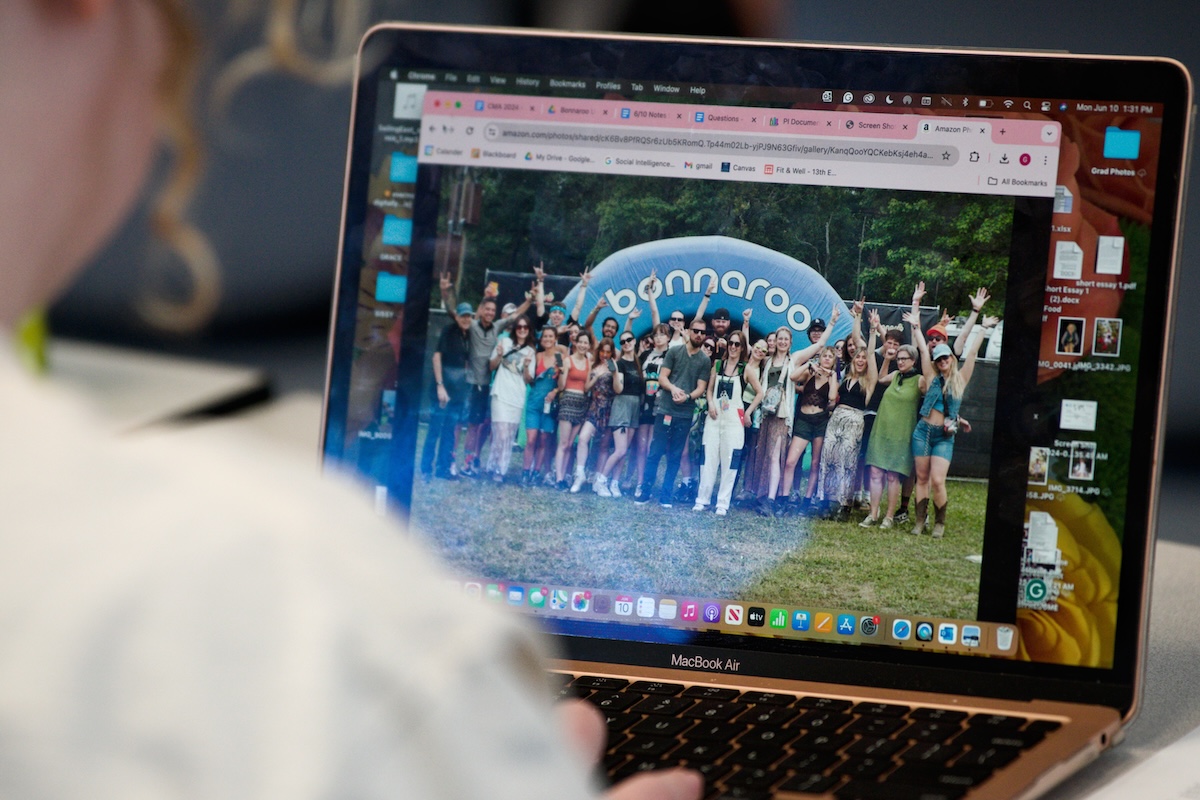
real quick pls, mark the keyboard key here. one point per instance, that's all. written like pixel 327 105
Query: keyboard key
pixel 876 746
pixel 637 765
pixel 880 710
pixel 670 706
pixel 768 715
pixel 1042 726
pixel 762 756
pixel 822 741
pixel 991 758
pixel 984 737
pixel 711 693
pixel 612 701
pixel 617 721
pixel 931 754
pixel 809 761
pixel 648 745
pixel 717 731
pixel 598 683
pixel 572 692
pixel 824 703
pixel 941 777
pixel 741 793
pixel 753 778
pixel 662 726
pixel 713 709
pixel 938 715
pixel 712 773
pixel 930 731
pixel 825 721
pixel 813 783
pixel 864 767
pixel 767 698
pixel 776 737
pixel 701 752
pixel 875 726
pixel 654 687
pixel 996 722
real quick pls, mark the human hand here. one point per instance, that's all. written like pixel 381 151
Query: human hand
pixel 981 296
pixel 540 271
pixel 635 313
pixel 712 412
pixel 490 291
pixel 587 734
pixel 445 282
pixel 945 319
pixel 746 315
pixel 834 316
pixel 652 282
pixel 874 319
pixel 443 396
pixel 679 395
pixel 585 278
pixel 912 319
pixel 602 303
pixel 712 286
pixel 990 322
pixel 918 292
pixel 857 308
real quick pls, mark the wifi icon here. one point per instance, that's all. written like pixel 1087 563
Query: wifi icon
pixel 1009 103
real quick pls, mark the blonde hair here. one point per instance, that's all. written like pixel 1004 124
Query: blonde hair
pixel 954 386
pixel 287 23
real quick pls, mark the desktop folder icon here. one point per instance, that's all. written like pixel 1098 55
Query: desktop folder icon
pixel 397 232
pixel 391 288
pixel 1121 144
pixel 403 168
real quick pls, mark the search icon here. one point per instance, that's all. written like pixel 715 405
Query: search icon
pixel 1028 106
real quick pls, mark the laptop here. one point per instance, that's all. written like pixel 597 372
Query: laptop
pixel 922 572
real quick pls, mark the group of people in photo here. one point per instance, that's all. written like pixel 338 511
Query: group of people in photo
pixel 695 412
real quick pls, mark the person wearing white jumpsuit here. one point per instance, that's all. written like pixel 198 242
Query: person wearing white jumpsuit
pixel 725 430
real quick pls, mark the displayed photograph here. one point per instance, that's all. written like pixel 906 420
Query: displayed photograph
pixel 1070 336
pixel 1039 466
pixel 712 389
pixel 1107 340
pixel 1083 461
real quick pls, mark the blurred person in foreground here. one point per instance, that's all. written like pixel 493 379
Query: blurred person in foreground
pixel 203 619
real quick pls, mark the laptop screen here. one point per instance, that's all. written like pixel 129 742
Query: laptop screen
pixel 657 346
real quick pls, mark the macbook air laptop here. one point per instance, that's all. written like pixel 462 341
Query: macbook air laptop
pixel 913 573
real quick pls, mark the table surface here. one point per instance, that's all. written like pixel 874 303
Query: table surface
pixel 1170 706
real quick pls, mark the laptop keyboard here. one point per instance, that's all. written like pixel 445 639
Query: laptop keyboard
pixel 751 745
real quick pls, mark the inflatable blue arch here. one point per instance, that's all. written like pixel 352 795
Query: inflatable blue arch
pixel 777 288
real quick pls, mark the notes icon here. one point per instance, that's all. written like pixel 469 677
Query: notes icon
pixel 1068 261
pixel 1110 255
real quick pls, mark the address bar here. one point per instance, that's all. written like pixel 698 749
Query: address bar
pixel 939 155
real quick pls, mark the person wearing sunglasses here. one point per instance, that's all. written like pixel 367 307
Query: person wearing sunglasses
pixel 728 418
pixel 677 319
pixel 682 378
pixel 510 361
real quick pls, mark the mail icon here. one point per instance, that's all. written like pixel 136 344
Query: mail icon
pixel 1121 144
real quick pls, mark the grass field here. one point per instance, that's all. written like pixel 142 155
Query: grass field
pixel 539 535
